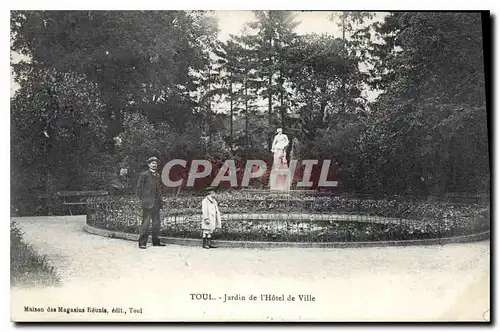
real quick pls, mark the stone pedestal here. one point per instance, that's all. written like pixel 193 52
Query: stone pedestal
pixel 280 179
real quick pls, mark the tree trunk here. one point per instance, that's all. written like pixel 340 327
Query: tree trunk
pixel 246 115
pixel 209 109
pixel 209 88
pixel 270 102
pixel 282 101
pixel 270 94
pixel 231 114
pixel 323 102
pixel 323 111
pixel 345 65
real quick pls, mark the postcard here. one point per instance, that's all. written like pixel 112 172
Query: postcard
pixel 250 166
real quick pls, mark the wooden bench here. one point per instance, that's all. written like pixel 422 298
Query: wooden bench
pixel 75 198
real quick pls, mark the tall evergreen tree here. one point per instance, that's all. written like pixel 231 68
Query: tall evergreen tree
pixel 274 33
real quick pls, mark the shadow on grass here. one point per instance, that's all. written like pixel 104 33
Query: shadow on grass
pixel 27 267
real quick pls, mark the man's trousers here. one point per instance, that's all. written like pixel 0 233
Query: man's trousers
pixel 148 215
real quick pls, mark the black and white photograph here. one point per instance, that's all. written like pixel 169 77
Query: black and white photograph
pixel 250 166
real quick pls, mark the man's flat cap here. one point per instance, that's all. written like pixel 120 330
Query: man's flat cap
pixel 150 159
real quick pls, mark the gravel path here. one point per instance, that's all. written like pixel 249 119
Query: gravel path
pixel 393 283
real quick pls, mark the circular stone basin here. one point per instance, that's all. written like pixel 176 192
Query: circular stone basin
pixel 273 222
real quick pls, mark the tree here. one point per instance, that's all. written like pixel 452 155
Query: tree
pixel 230 75
pixel 137 58
pixel 315 75
pixel 101 66
pixel 429 124
pixel 356 41
pixel 57 127
pixel 268 47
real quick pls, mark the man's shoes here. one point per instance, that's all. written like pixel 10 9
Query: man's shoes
pixel 142 247
pixel 210 244
pixel 159 245
pixel 205 243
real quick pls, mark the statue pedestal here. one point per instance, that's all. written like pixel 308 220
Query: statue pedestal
pixel 280 179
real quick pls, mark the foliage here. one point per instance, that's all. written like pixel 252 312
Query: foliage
pixel 103 90
pixel 56 121
pixel 142 139
pixel 134 56
pixel 429 125
pixel 256 63
pixel 82 73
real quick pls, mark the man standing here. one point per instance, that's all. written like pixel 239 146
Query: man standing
pixel 210 218
pixel 149 190
pixel 279 146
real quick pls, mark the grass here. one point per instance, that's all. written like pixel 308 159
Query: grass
pixel 27 267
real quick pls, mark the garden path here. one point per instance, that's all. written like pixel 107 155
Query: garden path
pixel 437 282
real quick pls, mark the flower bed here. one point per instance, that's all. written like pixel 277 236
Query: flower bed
pixel 292 218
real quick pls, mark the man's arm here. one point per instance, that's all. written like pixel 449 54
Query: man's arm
pixel 163 189
pixel 140 186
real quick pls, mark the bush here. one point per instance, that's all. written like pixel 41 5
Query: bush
pixel 27 268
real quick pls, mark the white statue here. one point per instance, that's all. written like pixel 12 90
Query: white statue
pixel 279 146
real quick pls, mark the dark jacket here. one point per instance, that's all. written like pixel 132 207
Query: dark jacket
pixel 149 189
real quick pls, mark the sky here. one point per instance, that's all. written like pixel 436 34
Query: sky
pixel 231 22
